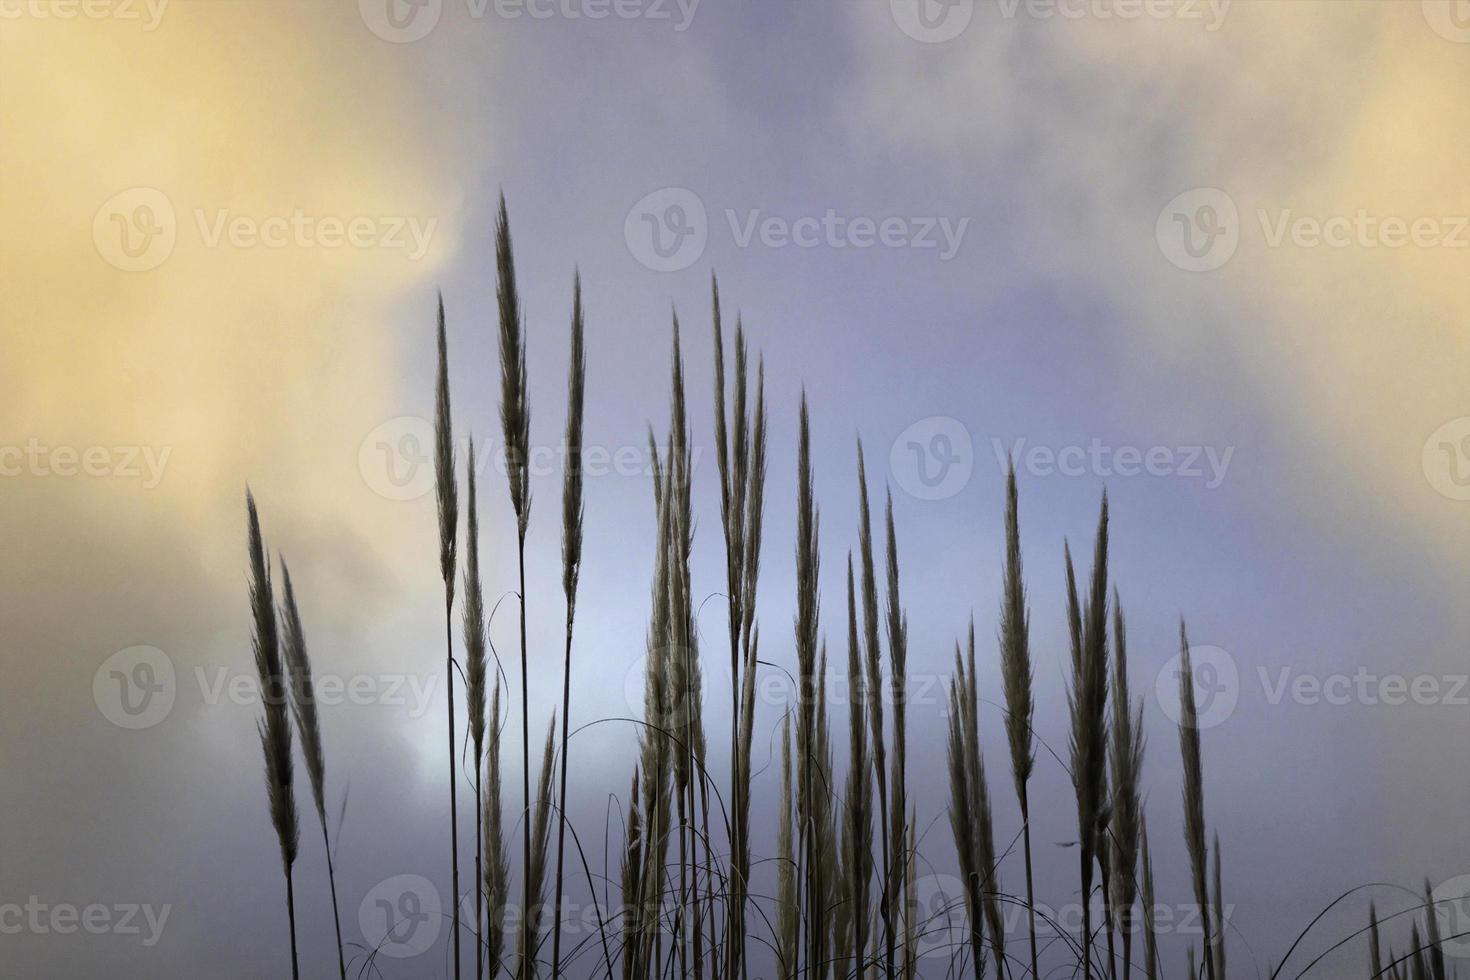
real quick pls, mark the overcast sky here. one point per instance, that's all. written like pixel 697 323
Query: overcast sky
pixel 1210 257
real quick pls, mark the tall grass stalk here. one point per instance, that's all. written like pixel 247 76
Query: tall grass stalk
pixel 572 510
pixel 788 912
pixel 1218 950
pixel 971 821
pixel 1150 929
pixel 535 872
pixel 1017 678
pixel 495 880
pixel 1088 699
pixel 515 423
pixel 656 746
pixel 857 859
pixel 872 656
pixel 447 496
pixel 806 626
pixel 741 454
pixel 303 708
pixel 475 678
pixel 1126 762
pixel 274 726
pixel 1432 934
pixel 1194 793
pixel 898 629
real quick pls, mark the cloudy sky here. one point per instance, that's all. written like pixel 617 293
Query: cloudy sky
pixel 1213 257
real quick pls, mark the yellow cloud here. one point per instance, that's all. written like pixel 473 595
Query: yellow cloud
pixel 282 156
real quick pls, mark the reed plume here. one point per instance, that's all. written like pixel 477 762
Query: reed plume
pixel 857 830
pixel 535 871
pixel 274 726
pixel 1194 792
pixel 303 708
pixel 495 879
pixel 475 671
pixel 656 743
pixel 961 819
pixel 1088 699
pixel 1126 762
pixel 788 912
pixel 872 656
pixel 685 678
pixel 971 819
pixel 828 893
pixel 632 876
pixel 447 496
pixel 898 629
pixel 1017 678
pixel 515 424
pixel 806 626
pixel 742 468
pixel 1418 966
pixel 1434 954
pixel 572 509
pixel 1150 930
pixel 1218 951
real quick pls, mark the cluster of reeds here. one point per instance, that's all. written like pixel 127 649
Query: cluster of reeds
pixel 845 855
